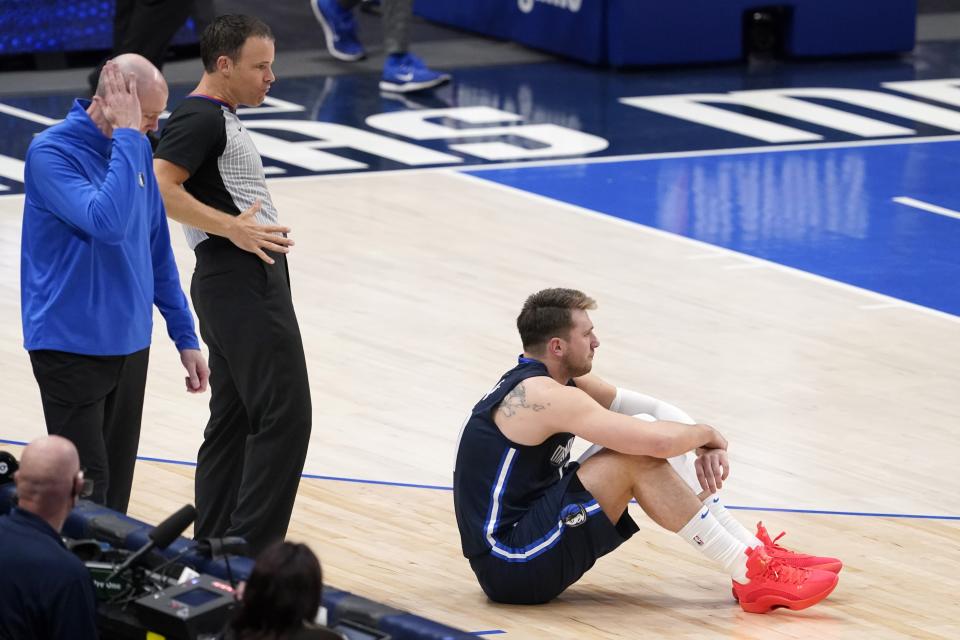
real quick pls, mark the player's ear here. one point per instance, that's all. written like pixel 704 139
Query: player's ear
pixel 555 346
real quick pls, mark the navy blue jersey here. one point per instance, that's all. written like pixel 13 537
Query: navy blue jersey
pixel 495 479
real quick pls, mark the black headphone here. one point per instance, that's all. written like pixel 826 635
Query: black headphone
pixel 8 467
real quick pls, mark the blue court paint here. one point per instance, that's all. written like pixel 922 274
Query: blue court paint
pixel 492 632
pixel 826 211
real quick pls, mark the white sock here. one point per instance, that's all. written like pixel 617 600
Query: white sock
pixel 730 523
pixel 705 534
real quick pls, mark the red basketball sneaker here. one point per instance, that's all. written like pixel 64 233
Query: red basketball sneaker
pixel 792 558
pixel 774 584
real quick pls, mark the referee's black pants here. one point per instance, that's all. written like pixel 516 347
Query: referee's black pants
pixel 96 402
pixel 255 443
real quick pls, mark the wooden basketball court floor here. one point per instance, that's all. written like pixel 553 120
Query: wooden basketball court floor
pixel 407 285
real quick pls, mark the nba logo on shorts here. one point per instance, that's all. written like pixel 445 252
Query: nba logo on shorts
pixel 141 179
pixel 698 540
pixel 573 515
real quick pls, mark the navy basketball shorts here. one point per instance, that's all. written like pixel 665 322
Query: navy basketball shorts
pixel 557 541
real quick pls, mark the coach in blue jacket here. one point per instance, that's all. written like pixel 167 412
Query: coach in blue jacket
pixel 95 258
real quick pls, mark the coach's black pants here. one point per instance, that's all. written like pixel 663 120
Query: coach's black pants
pixel 254 446
pixel 96 402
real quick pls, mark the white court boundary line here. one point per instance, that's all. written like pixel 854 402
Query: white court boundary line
pixel 882 301
pixel 926 206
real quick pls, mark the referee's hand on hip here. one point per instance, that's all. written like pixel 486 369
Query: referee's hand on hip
pixel 249 235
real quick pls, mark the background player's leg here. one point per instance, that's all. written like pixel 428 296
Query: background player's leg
pixel 150 27
pixel 397 16
pixel 339 28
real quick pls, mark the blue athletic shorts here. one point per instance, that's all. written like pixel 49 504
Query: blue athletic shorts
pixel 555 543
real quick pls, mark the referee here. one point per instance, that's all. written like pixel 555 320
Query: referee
pixel 212 180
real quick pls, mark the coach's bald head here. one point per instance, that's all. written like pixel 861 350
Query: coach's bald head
pixel 49 479
pixel 151 87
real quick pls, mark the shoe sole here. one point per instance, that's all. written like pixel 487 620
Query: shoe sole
pixel 331 37
pixel 767 604
pixel 408 87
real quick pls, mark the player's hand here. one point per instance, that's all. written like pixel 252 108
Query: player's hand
pixel 716 441
pixel 198 373
pixel 119 100
pixel 712 467
pixel 249 235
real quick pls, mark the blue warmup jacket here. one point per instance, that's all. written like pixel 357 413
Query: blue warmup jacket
pixel 95 250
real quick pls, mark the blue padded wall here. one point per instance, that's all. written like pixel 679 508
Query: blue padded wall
pixel 50 26
pixel 828 28
pixel 652 32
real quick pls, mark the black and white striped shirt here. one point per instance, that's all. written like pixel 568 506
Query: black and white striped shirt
pixel 205 137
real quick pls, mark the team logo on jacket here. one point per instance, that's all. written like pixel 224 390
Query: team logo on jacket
pixel 573 515
pixel 141 179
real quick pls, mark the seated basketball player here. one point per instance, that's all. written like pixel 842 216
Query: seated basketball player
pixel 531 522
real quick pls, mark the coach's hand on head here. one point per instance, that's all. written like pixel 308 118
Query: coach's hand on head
pixel 249 235
pixel 117 97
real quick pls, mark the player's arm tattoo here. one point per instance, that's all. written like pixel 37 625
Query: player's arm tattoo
pixel 516 400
